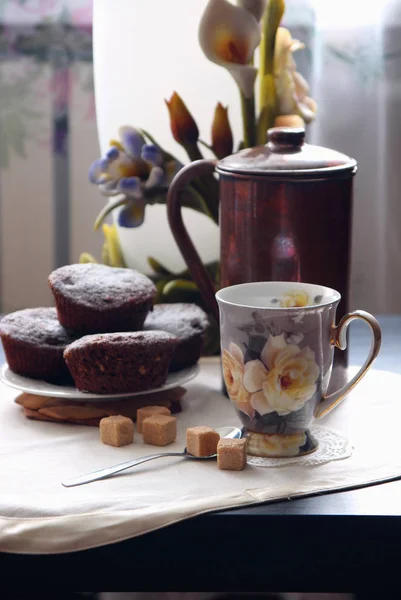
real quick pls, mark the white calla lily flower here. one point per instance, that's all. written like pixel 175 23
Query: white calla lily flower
pixel 256 7
pixel 229 36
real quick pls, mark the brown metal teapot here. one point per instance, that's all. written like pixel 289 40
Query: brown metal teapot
pixel 285 215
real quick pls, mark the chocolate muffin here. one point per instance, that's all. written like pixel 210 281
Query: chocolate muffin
pixel 114 363
pixel 34 342
pixel 93 298
pixel 188 322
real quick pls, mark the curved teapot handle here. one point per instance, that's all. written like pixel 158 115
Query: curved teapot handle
pixel 188 251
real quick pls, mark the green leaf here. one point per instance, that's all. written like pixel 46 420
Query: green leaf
pixel 105 255
pixel 181 290
pixel 192 198
pixel 157 267
pixel 159 291
pixel 114 252
pixel 85 258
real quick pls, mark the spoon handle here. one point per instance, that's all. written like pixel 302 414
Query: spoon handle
pixel 103 473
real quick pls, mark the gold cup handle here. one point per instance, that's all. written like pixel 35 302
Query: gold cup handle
pixel 340 341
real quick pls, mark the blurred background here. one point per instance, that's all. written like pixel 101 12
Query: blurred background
pixel 49 137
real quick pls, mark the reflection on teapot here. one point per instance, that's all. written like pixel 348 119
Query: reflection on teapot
pixel 285 258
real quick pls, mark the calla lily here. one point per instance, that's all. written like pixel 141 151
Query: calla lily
pixel 292 88
pixel 183 125
pixel 229 36
pixel 256 7
pixel 222 135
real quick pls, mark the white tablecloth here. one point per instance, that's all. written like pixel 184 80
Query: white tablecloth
pixel 38 515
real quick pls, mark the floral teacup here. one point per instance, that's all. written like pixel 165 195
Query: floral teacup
pixel 277 342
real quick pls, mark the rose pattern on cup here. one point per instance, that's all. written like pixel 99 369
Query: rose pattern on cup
pixel 233 372
pixel 281 380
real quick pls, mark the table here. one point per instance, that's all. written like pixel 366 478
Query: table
pixel 348 541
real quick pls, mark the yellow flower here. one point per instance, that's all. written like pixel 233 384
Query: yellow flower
pixel 292 89
pixel 296 299
pixel 290 378
pixel 229 36
pixel 233 371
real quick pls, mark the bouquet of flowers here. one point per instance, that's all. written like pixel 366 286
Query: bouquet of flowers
pixel 246 39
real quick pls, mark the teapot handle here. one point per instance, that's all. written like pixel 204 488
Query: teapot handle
pixel 188 251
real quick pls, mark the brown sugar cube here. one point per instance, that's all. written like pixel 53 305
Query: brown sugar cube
pixel 148 411
pixel 231 454
pixel 202 441
pixel 159 430
pixel 116 430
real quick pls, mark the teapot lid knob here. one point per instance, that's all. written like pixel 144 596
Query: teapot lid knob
pixel 287 154
pixel 285 138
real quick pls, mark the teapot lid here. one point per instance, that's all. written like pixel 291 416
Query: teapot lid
pixel 287 154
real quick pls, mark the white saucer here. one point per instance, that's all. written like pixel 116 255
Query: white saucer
pixel 42 388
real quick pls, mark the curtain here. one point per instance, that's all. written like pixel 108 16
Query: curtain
pixel 356 81
pixel 48 135
pixel 48 138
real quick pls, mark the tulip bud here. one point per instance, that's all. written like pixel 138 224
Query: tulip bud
pixel 183 126
pixel 222 135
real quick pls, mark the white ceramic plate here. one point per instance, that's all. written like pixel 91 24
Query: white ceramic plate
pixel 42 388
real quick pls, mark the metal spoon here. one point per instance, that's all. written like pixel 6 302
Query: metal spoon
pixel 224 432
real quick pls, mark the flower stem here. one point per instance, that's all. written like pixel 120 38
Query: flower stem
pixel 267 93
pixel 107 210
pixel 206 145
pixel 248 120
pixel 269 108
pixel 193 151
